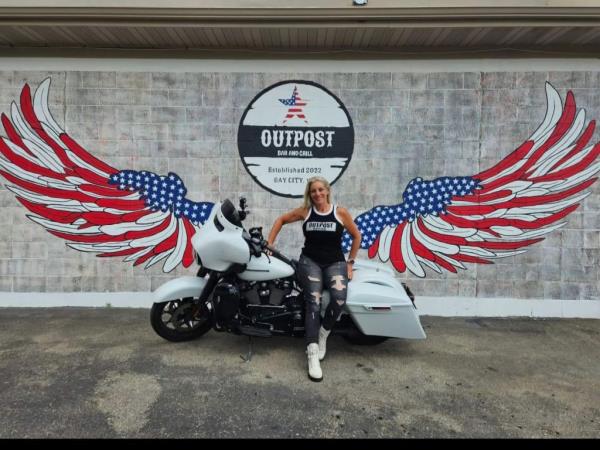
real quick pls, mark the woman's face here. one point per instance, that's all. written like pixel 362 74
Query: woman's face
pixel 318 193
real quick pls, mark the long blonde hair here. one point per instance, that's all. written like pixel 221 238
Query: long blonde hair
pixel 307 200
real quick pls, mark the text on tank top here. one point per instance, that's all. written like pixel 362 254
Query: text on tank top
pixel 323 236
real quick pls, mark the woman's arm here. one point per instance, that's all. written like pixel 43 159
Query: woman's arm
pixel 349 224
pixel 289 217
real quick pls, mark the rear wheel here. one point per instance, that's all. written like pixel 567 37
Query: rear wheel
pixel 363 339
pixel 180 320
pixel 357 337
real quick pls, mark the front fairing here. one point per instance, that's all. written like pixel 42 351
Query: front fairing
pixel 220 243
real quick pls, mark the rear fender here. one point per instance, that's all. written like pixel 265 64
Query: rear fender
pixel 181 287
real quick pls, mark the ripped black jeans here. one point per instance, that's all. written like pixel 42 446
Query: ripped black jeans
pixel 310 278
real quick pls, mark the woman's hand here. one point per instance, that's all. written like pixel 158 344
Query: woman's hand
pixel 350 270
pixel 268 249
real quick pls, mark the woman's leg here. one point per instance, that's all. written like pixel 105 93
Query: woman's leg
pixel 336 279
pixel 310 278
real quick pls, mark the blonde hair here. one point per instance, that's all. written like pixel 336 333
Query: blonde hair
pixel 307 200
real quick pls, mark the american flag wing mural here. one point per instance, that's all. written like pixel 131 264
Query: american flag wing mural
pixel 449 221
pixel 141 216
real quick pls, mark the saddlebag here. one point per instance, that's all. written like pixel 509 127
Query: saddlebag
pixel 383 311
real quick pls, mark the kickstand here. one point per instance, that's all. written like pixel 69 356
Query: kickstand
pixel 248 356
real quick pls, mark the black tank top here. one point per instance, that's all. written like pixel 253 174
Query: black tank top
pixel 323 233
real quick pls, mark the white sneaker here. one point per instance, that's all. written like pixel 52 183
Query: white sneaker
pixel 314 368
pixel 323 333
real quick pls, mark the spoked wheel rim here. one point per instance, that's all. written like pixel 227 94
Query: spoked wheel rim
pixel 183 315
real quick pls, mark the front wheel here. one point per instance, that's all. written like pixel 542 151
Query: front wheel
pixel 180 320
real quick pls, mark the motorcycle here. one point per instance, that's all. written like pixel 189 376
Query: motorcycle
pixel 245 287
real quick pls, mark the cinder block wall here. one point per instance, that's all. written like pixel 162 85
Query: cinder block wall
pixel 406 125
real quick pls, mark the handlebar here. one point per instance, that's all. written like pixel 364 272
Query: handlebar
pixel 257 242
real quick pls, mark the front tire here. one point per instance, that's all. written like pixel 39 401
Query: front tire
pixel 180 320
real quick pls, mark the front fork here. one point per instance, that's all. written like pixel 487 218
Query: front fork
pixel 203 300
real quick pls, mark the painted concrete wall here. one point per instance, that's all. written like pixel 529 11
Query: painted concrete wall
pixel 425 123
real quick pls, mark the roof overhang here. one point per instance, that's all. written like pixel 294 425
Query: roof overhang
pixel 562 27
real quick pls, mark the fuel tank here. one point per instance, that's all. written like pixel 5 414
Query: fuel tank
pixel 266 268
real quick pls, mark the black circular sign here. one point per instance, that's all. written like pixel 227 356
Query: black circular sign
pixel 292 131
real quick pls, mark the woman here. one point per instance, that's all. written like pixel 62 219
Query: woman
pixel 321 261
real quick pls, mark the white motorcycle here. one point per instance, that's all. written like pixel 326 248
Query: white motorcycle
pixel 245 287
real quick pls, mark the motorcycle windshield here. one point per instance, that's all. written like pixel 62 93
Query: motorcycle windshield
pixel 230 213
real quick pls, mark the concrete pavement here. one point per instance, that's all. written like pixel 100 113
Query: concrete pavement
pixel 103 373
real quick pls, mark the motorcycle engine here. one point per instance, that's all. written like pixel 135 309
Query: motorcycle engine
pixel 266 292
pixel 226 297
pixel 275 305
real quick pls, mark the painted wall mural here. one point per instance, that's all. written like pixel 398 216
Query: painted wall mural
pixel 441 223
pixel 97 208
pixel 448 221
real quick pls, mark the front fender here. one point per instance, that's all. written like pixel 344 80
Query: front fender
pixel 181 287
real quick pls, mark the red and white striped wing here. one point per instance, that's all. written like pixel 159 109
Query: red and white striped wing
pixel 68 192
pixel 519 200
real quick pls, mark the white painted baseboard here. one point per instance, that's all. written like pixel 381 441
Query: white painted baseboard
pixel 426 306
pixel 507 307
pixel 90 299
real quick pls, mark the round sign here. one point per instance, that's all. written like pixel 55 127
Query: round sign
pixel 292 131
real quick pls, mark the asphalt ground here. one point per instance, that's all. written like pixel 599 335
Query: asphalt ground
pixel 104 373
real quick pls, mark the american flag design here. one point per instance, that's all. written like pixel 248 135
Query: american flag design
pixel 296 105
pixel 141 216
pixel 441 224
pixel 447 222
